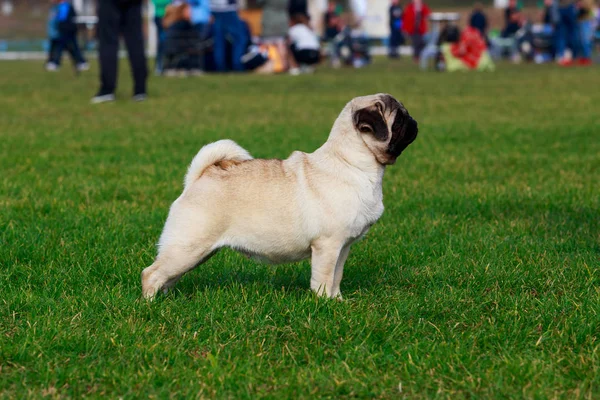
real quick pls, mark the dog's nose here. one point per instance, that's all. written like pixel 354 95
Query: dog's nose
pixel 412 129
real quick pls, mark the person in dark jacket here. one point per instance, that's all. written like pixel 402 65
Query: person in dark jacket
pixel 395 20
pixel 512 20
pixel 120 17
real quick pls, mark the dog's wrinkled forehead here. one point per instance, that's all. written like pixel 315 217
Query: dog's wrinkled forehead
pixel 387 103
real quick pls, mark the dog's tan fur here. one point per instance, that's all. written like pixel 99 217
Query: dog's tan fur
pixel 309 205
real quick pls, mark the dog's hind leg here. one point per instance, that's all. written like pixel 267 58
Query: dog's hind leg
pixel 172 263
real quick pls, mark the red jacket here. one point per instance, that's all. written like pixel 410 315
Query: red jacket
pixel 470 47
pixel 408 19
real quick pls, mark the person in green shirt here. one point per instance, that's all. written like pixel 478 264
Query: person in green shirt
pixel 159 12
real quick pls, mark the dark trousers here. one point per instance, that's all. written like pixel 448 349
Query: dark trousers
pixel 160 48
pixel 228 24
pixel 418 44
pixel 68 42
pixel 396 39
pixel 121 18
pixel 567 31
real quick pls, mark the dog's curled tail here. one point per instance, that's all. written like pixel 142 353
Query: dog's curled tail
pixel 213 153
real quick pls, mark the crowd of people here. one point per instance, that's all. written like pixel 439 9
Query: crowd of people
pixel 564 32
pixel 197 36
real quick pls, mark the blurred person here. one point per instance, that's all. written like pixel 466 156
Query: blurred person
pixel 567 36
pixel 62 34
pixel 586 30
pixel 275 23
pixel 511 20
pixel 159 13
pixel 200 20
pixel 438 35
pixel 469 52
pixel 116 17
pixel 184 53
pixel 551 15
pixel 304 46
pixel 352 44
pixel 298 7
pixel 395 21
pixel 478 20
pixel 414 23
pixel 331 24
pixel 227 24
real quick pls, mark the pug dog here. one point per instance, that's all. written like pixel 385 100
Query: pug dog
pixel 310 205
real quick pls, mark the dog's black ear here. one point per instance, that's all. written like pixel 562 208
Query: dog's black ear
pixel 369 120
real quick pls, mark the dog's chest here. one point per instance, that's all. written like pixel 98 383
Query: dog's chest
pixel 367 211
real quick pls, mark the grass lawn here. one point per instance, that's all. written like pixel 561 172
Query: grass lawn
pixel 480 280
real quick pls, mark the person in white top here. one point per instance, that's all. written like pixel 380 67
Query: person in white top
pixel 304 46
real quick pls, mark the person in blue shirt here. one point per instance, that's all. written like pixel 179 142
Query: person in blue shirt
pixel 200 20
pixel 62 34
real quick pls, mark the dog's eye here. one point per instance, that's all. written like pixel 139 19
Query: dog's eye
pixel 364 128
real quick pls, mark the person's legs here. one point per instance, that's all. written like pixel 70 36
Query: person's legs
pixel 417 43
pixel 429 53
pixel 394 43
pixel 562 33
pixel 131 26
pixel 233 27
pixel 219 41
pixel 292 59
pixel 586 34
pixel 572 29
pixel 108 37
pixel 160 44
pixel 202 34
pixel 74 50
pixel 55 51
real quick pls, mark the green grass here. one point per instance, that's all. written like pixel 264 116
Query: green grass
pixel 480 280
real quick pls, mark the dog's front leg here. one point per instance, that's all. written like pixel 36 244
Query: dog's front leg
pixel 339 272
pixel 326 254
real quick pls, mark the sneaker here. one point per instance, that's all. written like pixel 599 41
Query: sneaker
pixel 83 67
pixel 138 98
pixel 584 61
pixel 103 98
pixel 196 72
pixel 51 67
pixel 294 71
pixel 565 62
pixel 307 69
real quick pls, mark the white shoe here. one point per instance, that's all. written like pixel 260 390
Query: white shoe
pixel 138 98
pixel 51 67
pixel 294 71
pixel 104 98
pixel 83 67
pixel 307 69
pixel 196 72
